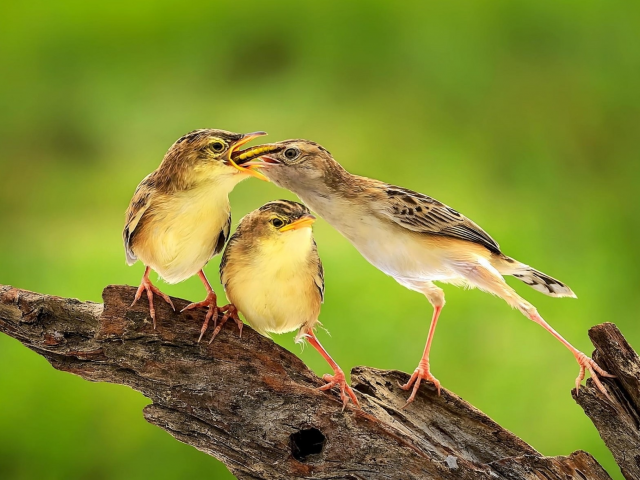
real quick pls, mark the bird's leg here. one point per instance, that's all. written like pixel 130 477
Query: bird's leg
pixel 490 280
pixel 422 372
pixel 211 302
pixel 230 311
pixel 146 284
pixel 584 361
pixel 337 378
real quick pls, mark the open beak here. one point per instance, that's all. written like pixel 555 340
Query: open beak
pixel 243 160
pixel 302 222
pixel 236 160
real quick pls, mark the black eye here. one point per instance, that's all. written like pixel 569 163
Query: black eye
pixel 217 146
pixel 276 222
pixel 291 153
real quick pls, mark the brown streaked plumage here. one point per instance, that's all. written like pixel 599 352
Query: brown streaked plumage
pixel 412 237
pixel 271 272
pixel 180 217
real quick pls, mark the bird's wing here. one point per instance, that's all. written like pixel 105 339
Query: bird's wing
pixel 137 208
pixel 223 236
pixel 420 213
pixel 225 256
pixel 318 278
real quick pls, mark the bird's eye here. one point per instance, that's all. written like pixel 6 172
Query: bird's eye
pixel 291 153
pixel 276 222
pixel 217 147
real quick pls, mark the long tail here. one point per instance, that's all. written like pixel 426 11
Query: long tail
pixel 537 280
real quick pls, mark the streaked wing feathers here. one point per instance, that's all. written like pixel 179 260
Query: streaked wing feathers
pixel 420 213
pixel 222 238
pixel 137 208
pixel 318 278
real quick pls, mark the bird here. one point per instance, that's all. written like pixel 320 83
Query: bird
pixel 272 274
pixel 180 216
pixel 411 237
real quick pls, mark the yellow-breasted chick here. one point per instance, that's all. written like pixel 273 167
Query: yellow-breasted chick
pixel 179 216
pixel 271 272
pixel 411 237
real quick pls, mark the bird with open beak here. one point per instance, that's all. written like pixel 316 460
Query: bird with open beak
pixel 271 272
pixel 411 237
pixel 180 217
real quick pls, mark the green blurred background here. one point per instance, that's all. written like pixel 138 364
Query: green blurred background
pixel 524 115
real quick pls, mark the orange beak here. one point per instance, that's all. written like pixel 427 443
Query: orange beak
pixel 302 222
pixel 237 161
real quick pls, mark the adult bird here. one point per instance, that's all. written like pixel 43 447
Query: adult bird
pixel 272 274
pixel 180 217
pixel 412 237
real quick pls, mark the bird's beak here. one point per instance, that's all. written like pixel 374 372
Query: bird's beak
pixel 237 158
pixel 302 222
pixel 258 153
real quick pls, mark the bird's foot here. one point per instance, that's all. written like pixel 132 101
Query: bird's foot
pixel 147 286
pixel 230 311
pixel 594 369
pixel 211 302
pixel 420 373
pixel 346 392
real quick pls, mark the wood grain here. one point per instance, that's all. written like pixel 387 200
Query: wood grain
pixel 256 407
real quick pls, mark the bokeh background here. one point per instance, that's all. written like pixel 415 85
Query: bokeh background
pixel 522 114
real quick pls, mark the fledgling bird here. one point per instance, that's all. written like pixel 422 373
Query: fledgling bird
pixel 179 216
pixel 271 272
pixel 411 237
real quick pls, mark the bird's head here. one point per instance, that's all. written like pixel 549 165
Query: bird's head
pixel 209 154
pixel 280 220
pixel 293 164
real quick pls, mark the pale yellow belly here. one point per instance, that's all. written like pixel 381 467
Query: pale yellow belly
pixel 412 256
pixel 276 292
pixel 180 237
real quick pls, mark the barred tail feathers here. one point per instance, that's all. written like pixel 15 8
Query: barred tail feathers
pixel 537 280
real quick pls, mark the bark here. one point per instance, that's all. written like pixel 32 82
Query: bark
pixel 617 422
pixel 256 407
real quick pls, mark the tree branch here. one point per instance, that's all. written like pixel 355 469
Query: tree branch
pixel 618 423
pixel 256 407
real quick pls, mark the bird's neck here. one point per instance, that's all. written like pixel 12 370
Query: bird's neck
pixel 222 183
pixel 330 197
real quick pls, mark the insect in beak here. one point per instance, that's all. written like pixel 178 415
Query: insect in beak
pixel 241 159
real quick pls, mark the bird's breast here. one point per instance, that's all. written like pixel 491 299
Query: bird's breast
pixel 274 287
pixel 180 235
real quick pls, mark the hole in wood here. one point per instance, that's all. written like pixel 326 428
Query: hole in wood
pixel 309 441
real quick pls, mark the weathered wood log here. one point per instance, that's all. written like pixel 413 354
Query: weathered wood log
pixel 618 422
pixel 256 407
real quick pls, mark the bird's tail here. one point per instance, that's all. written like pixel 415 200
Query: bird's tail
pixel 537 280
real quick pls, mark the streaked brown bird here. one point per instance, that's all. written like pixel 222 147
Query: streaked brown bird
pixel 412 237
pixel 272 274
pixel 179 216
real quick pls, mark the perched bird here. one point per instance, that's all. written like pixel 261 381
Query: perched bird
pixel 411 237
pixel 179 216
pixel 271 272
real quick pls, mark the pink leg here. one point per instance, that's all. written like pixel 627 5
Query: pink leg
pixel 146 284
pixel 490 280
pixel 422 372
pixel 585 362
pixel 211 302
pixel 337 378
pixel 230 311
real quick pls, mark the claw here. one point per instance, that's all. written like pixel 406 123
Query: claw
pixel 420 373
pixel 230 311
pixel 346 392
pixel 146 285
pixel 211 302
pixel 587 363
